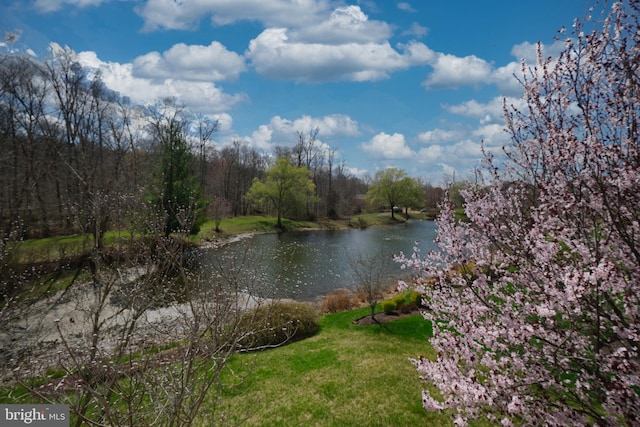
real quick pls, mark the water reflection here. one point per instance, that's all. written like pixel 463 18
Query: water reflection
pixel 307 265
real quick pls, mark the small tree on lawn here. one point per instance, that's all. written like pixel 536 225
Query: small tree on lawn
pixel 535 300
pixel 219 209
pixel 369 273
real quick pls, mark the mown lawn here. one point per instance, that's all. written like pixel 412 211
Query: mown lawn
pixel 346 375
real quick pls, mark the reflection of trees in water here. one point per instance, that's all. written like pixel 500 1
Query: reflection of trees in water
pixel 305 265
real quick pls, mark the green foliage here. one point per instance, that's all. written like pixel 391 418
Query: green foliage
pixel 392 187
pixel 388 306
pixel 286 187
pixel 404 302
pixel 362 222
pixel 178 194
pixel 277 324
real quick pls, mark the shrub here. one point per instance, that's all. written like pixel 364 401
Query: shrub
pixel 388 306
pixel 414 297
pixel 339 300
pixel 362 222
pixel 399 300
pixel 405 302
pixel 277 324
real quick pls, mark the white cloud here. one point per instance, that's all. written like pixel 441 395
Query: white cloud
pixel 467 149
pixel 460 149
pixel 404 6
pixel 284 131
pixel 451 71
pixel 472 108
pixel 45 6
pixel 304 40
pixel 203 97
pixel 439 135
pixel 190 62
pixel 261 138
pixel 486 113
pixel 328 126
pixel 170 14
pixel 416 30
pixel 344 25
pixel 225 122
pixel 492 135
pixel 507 76
pixel 506 79
pixel 528 51
pixel 275 56
pixel 430 154
pixel 388 146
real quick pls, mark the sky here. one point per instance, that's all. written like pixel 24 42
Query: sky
pixel 418 85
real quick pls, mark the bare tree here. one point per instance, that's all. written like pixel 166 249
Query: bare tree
pixel 145 342
pixel 369 271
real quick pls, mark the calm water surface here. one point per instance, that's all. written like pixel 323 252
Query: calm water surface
pixel 310 264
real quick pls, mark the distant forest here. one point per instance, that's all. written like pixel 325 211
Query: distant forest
pixel 71 149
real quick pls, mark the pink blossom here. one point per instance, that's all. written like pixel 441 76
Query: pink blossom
pixel 534 301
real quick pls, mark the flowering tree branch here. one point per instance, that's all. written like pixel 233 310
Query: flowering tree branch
pixel 535 300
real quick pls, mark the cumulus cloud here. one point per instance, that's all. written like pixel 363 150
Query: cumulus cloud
pixel 344 25
pixel 388 146
pixel 492 135
pixel 203 97
pixel 486 112
pixel 225 122
pixel 439 135
pixel 328 126
pixel 506 79
pixel 430 154
pixel 528 51
pixel 190 62
pixel 284 131
pixel 451 71
pixel 261 138
pixel 274 55
pixel 46 6
pixel 308 41
pixel 184 15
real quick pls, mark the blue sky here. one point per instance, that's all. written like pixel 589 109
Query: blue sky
pixel 410 84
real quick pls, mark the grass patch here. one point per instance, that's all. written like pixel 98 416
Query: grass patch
pixel 257 224
pixel 346 375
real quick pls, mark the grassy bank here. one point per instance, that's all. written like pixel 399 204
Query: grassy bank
pixel 64 247
pixel 266 224
pixel 346 375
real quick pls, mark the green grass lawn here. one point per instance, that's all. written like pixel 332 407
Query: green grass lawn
pixel 346 375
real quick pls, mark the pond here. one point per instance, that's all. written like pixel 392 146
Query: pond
pixel 306 265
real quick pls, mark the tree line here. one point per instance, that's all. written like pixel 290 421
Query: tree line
pixel 76 154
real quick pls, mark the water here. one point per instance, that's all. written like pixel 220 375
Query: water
pixel 310 264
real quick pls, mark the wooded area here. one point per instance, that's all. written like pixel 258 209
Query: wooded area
pixel 76 156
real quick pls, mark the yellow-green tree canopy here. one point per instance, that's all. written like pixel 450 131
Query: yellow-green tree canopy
pixel 393 187
pixel 286 187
